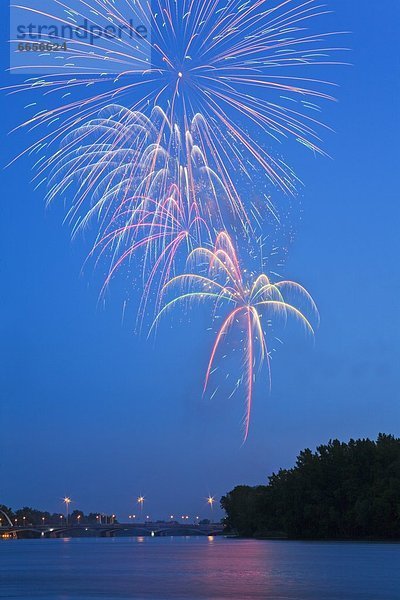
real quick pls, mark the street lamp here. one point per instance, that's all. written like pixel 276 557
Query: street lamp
pixel 67 501
pixel 210 501
pixel 140 501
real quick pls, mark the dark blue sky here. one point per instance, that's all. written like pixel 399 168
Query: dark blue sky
pixel 90 410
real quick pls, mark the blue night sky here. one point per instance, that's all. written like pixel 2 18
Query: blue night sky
pixel 90 410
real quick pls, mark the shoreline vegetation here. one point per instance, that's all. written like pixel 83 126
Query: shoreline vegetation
pixel 341 492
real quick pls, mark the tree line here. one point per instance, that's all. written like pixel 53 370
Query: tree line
pixel 33 516
pixel 340 491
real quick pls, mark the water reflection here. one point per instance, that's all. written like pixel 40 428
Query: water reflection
pixel 197 569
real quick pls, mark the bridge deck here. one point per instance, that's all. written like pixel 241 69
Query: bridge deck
pixel 111 530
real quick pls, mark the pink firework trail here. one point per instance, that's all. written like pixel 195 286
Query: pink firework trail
pixel 252 303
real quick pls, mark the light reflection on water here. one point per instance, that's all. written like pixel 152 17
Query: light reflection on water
pixel 197 568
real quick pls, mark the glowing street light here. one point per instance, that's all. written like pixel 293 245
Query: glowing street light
pixel 140 501
pixel 67 501
pixel 210 501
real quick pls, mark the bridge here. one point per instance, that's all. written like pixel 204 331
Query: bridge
pixel 158 529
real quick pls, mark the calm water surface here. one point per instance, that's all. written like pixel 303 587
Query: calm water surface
pixel 197 568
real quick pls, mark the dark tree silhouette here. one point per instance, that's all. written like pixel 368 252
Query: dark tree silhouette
pixel 340 491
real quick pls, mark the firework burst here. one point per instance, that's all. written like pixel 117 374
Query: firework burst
pixel 146 186
pixel 208 95
pixel 244 66
pixel 251 303
pixel 159 235
pixel 109 162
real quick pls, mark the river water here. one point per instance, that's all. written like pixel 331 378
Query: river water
pixel 197 568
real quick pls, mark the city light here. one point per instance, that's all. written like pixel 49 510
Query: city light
pixel 140 501
pixel 67 501
pixel 210 501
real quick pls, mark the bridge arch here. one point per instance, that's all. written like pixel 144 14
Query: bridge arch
pixel 7 518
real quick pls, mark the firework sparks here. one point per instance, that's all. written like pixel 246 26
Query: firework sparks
pixel 162 233
pixel 244 66
pixel 251 302
pixel 121 155
pixel 151 195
